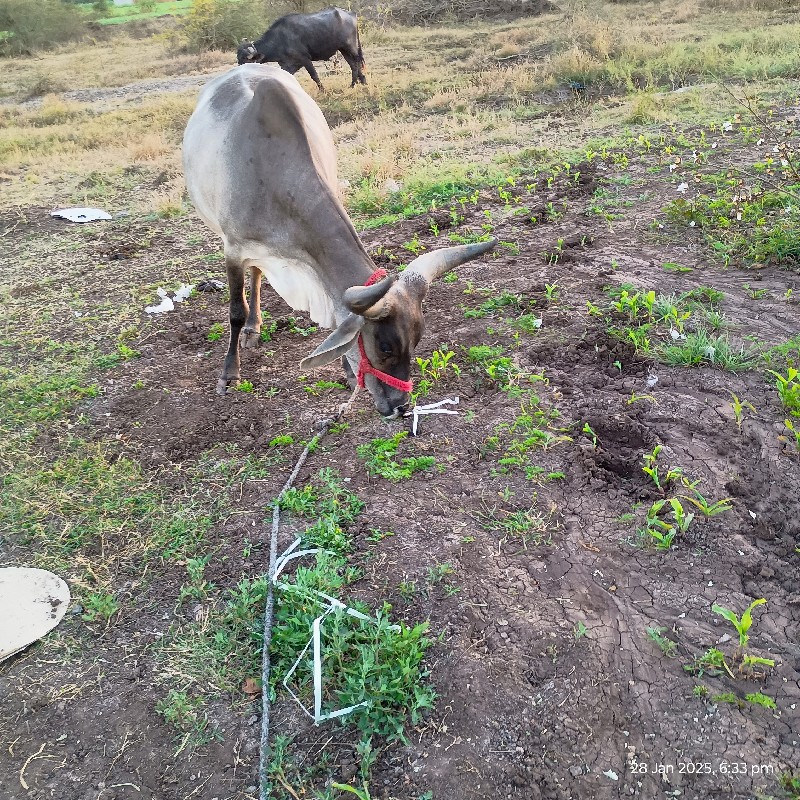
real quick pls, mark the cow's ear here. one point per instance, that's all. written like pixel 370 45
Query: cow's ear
pixel 337 344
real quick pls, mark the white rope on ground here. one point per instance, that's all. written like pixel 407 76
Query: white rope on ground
pixel 276 565
pixel 263 768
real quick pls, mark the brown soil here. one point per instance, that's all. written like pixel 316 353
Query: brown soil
pixel 548 684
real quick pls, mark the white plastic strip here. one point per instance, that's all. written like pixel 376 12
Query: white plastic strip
pixel 432 408
pixel 315 641
pixel 315 637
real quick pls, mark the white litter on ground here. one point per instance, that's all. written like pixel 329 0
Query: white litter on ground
pixel 168 303
pixel 32 603
pixel 81 214
pixel 432 408
pixel 183 293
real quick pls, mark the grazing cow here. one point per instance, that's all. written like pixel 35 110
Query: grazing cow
pixel 296 40
pixel 260 167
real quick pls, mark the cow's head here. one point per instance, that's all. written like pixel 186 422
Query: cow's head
pixel 388 316
pixel 247 52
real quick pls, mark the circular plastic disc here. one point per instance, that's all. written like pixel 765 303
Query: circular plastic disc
pixel 32 603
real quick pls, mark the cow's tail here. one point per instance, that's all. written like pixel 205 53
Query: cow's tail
pixel 361 61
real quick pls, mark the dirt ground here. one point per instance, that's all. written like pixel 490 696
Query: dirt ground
pixel 548 684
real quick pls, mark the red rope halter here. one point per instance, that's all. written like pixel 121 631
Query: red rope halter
pixel 364 367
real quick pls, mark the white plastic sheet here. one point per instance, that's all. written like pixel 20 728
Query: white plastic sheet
pixel 168 303
pixel 81 214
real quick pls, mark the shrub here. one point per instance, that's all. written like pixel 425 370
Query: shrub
pixel 28 27
pixel 222 24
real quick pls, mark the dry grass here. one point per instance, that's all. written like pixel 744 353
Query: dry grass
pixel 117 62
pixel 447 94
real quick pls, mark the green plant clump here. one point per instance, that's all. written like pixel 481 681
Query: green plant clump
pixel 379 461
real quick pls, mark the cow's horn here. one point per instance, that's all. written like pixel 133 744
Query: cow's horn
pixel 430 266
pixel 337 344
pixel 361 299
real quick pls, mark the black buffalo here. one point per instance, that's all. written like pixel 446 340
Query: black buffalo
pixel 296 40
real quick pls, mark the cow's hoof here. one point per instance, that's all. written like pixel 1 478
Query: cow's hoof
pixel 222 387
pixel 249 338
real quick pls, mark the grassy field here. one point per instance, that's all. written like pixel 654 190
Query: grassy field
pixel 623 472
pixel 119 15
pixel 439 100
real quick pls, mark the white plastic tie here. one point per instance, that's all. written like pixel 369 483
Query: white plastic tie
pixel 432 408
pixel 315 642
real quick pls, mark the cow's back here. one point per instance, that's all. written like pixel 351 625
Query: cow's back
pixel 254 135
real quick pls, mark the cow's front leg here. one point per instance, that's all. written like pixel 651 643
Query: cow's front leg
pixel 252 329
pixel 238 315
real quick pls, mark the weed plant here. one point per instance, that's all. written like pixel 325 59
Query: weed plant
pixel 378 456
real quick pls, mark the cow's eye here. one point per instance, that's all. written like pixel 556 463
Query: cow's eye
pixel 385 348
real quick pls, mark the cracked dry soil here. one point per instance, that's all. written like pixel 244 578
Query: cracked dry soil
pixel 549 686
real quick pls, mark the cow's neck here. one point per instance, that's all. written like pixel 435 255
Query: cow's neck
pixel 340 257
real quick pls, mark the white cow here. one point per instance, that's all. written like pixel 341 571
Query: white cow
pixel 260 166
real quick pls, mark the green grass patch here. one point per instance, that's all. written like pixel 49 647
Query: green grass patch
pixel 119 15
pixel 378 456
pixel 374 661
pixel 89 512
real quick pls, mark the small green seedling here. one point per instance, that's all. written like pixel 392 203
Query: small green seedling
pixel 587 429
pixel 707 509
pixel 215 332
pixel 656 634
pixel 750 662
pixel 794 431
pixel 100 605
pixel 761 700
pixel 651 468
pixel 788 387
pixel 712 662
pixel 682 519
pixel 738 407
pixel 407 590
pixel 663 533
pixel 376 534
pixel 743 623
pixel 634 398
pixel 378 457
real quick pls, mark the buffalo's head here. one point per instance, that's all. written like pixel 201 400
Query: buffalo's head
pixel 388 316
pixel 247 52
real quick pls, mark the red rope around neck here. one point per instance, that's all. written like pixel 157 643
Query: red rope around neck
pixel 364 367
